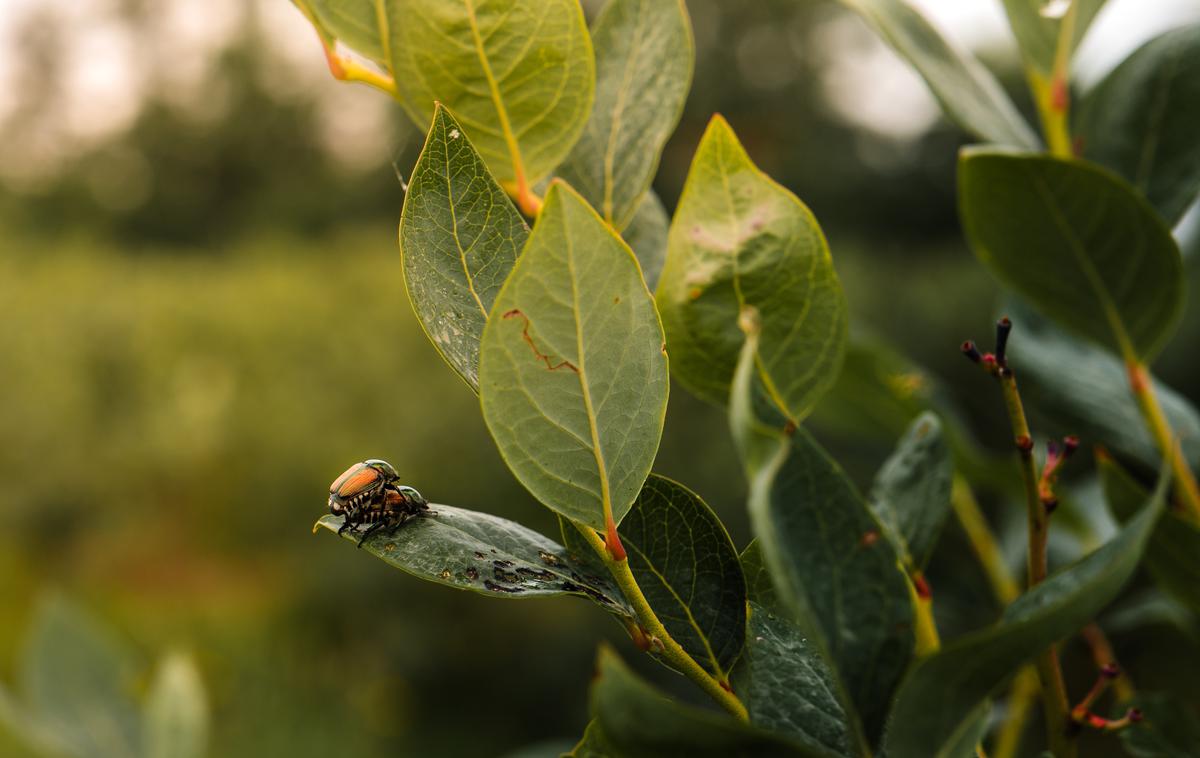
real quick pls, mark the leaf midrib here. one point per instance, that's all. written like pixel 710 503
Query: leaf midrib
pixel 497 101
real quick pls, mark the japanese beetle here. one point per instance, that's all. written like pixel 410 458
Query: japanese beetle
pixel 369 493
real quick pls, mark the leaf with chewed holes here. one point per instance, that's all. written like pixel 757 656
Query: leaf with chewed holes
pixel 470 550
pixel 740 240
pixel 572 369
pixel 459 238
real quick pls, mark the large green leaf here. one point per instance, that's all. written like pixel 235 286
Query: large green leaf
pixel 459 238
pixel 356 23
pixel 839 579
pixel 688 569
pixel 76 679
pixel 647 235
pixel 966 90
pixel 469 550
pixel 1038 30
pixel 1169 728
pixel 593 744
pixel 638 721
pixel 175 722
pixel 1078 242
pixel 1173 557
pixel 739 239
pixel 573 370
pixel 518 74
pixel 911 495
pixel 1092 399
pixel 644 59
pixel 1142 121
pixel 784 682
pixel 940 695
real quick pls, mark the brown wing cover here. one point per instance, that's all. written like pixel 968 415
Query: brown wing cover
pixel 355 479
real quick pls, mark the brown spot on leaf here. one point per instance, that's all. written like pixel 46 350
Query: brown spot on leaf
pixel 550 364
pixel 472 574
pixel 870 538
pixel 498 588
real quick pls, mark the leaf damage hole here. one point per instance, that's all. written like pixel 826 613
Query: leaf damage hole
pixel 497 588
pixel 550 559
pixel 472 574
pixel 550 365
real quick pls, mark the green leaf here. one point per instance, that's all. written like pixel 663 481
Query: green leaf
pixel 593 744
pixel 469 550
pixel 1038 32
pixel 1074 387
pixel 175 724
pixel 644 59
pixel 518 75
pixel 638 721
pixel 1076 241
pixel 353 22
pixel 688 569
pixel 968 93
pixel 784 682
pixel 940 695
pixel 839 580
pixel 740 240
pixel 878 393
pixel 1173 557
pixel 1169 728
pixel 911 495
pixel 459 238
pixel 75 678
pixel 573 371
pixel 1142 119
pixel 647 235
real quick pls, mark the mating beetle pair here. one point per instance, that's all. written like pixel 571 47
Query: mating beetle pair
pixel 369 493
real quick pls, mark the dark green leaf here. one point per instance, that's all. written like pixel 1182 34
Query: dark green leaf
pixel 1169 729
pixel 740 240
pixel 1038 32
pixel 937 702
pixel 647 235
pixel 638 721
pixel 1173 557
pixel 688 569
pixel 784 682
pixel 833 571
pixel 1142 121
pixel 573 371
pixel 175 720
pixel 1078 242
pixel 644 60
pixel 459 238
pixel 76 679
pixel 1073 387
pixel 593 744
pixel 469 550
pixel 519 75
pixel 966 90
pixel 911 495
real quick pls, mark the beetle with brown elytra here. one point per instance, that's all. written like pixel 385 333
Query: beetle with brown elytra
pixel 369 493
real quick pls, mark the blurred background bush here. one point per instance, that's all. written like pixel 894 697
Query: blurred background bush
pixel 205 322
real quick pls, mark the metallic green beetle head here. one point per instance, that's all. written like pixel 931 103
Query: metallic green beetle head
pixel 360 485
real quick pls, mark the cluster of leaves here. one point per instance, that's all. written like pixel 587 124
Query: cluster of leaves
pixel 816 627
pixel 76 682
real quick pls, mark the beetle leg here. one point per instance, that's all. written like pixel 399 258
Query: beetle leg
pixel 399 522
pixel 373 528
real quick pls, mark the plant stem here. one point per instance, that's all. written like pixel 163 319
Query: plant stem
pixel 927 640
pixel 1052 93
pixel 983 542
pixel 1054 689
pixel 671 650
pixel 1102 655
pixel 1025 686
pixel 1156 421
